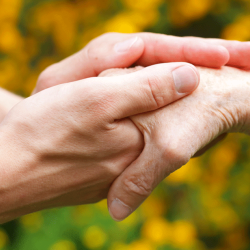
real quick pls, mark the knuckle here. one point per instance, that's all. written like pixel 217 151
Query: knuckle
pixel 113 172
pixel 100 38
pixel 154 83
pixel 46 79
pixel 92 55
pixel 175 156
pixel 92 47
pixel 174 151
pixel 90 52
pixel 141 186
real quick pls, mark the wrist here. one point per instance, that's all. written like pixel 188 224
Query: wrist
pixel 17 168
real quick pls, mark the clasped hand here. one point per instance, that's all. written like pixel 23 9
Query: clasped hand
pixel 91 137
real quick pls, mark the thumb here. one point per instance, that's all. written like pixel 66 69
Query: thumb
pixel 136 183
pixel 148 89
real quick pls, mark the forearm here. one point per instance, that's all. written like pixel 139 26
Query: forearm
pixel 7 101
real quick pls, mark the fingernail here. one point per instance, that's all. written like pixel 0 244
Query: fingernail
pixel 118 210
pixel 185 79
pixel 125 45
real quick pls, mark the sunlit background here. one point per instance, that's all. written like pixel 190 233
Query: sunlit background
pixel 206 204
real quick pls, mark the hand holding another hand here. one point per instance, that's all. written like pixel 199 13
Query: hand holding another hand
pixel 122 50
pixel 67 144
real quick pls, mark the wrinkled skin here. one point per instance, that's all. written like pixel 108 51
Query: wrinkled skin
pixel 175 133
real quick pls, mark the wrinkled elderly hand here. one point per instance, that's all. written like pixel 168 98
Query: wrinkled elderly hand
pixel 173 134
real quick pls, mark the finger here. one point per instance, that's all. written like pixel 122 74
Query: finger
pixel 239 51
pixel 115 50
pixel 161 48
pixel 118 71
pixel 148 89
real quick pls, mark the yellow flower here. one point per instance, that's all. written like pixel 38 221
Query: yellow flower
pixel 220 163
pixel 131 220
pixel 184 11
pixel 183 234
pixel 81 215
pixel 121 23
pixel 94 237
pixel 157 230
pixel 141 245
pixel 42 18
pixel 4 239
pixel 223 158
pixel 153 207
pixel 65 26
pixel 89 9
pixel 239 30
pixel 119 246
pixel 60 20
pixel 9 10
pixel 63 245
pixel 224 217
pixel 189 173
pixel 32 222
pixel 102 205
pixel 10 38
pixel 143 19
pixel 8 70
pixel 142 5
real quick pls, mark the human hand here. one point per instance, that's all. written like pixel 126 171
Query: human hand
pixel 115 50
pixel 66 145
pixel 173 134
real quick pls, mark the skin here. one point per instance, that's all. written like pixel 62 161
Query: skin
pixel 173 134
pixel 7 102
pixel 66 145
pixel 44 164
pixel 147 49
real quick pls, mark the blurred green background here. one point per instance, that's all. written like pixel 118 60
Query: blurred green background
pixel 204 205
